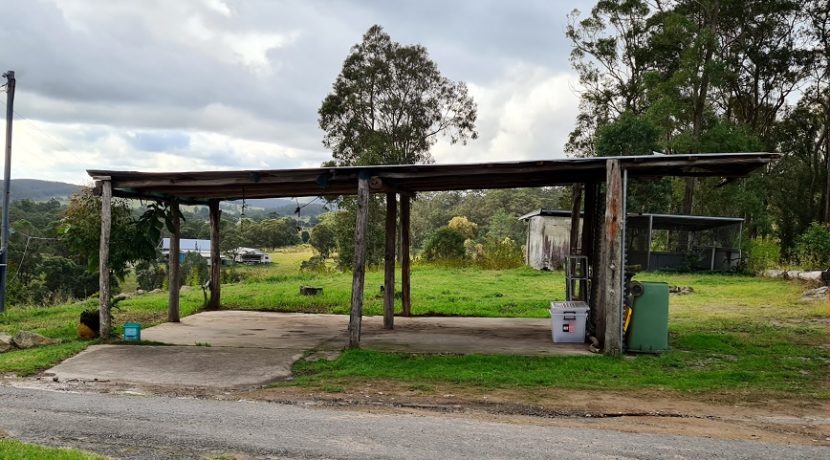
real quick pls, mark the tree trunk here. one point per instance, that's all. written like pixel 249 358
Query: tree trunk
pixel 359 267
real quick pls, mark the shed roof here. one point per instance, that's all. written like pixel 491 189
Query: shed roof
pixel 658 221
pixel 201 186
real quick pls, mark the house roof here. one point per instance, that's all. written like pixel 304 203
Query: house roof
pixel 201 186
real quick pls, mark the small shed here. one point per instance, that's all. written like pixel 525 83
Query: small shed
pixel 548 238
pixel 653 241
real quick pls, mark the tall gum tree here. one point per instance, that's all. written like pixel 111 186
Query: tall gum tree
pixel 390 103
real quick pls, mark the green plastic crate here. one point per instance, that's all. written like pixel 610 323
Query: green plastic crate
pixel 649 328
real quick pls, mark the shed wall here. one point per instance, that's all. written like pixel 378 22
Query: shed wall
pixel 548 242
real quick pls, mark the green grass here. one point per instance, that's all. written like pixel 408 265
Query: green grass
pixel 733 333
pixel 13 449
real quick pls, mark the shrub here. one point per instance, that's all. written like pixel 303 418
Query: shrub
pixel 232 275
pixel 813 247
pixel 762 254
pixel 194 269
pixel 316 264
pixel 501 254
pixel 445 244
pixel 149 275
pixel 464 226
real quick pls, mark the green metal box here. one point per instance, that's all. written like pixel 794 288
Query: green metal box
pixel 649 328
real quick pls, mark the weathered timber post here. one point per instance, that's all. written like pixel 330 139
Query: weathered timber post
pixel 389 262
pixel 359 266
pixel 611 262
pixel 575 218
pixel 588 243
pixel 406 298
pixel 103 260
pixel 173 264
pixel 215 258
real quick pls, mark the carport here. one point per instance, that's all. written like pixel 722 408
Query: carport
pixel 603 224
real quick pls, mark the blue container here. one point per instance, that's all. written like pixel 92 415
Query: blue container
pixel 132 332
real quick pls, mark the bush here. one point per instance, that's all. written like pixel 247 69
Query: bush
pixel 762 254
pixel 231 275
pixel 500 254
pixel 149 275
pixel 813 247
pixel 445 244
pixel 194 269
pixel 316 264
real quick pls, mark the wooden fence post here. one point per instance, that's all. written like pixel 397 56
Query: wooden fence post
pixel 406 298
pixel 173 265
pixel 359 266
pixel 215 257
pixel 389 262
pixel 105 327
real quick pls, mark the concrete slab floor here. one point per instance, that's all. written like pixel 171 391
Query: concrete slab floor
pixel 185 366
pixel 248 348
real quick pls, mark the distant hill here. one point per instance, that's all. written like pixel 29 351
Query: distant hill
pixel 40 190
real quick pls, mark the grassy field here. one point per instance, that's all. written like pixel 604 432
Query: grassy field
pixel 13 449
pixel 733 333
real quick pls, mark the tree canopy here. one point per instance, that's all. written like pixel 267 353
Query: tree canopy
pixel 390 103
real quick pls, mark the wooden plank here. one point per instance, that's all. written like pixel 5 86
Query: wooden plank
pixel 611 267
pixel 215 256
pixel 406 298
pixel 174 275
pixel 359 265
pixel 389 262
pixel 588 245
pixel 104 292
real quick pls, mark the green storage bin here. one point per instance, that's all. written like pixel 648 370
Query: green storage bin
pixel 649 328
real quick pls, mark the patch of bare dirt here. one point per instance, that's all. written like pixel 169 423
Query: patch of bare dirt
pixel 725 416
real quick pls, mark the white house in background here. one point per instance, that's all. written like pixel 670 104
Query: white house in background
pixel 251 256
pixel 202 247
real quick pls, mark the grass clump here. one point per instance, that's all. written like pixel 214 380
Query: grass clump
pixel 14 449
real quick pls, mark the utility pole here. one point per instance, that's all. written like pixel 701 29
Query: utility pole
pixel 4 246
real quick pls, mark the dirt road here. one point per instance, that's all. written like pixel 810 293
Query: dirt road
pixel 151 427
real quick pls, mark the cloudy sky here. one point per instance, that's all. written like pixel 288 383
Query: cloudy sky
pixel 226 84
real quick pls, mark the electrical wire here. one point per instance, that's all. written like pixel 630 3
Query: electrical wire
pixel 29 238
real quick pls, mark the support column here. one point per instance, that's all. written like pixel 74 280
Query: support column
pixel 215 257
pixel 406 298
pixel 104 293
pixel 576 208
pixel 359 266
pixel 173 264
pixel 609 305
pixel 389 262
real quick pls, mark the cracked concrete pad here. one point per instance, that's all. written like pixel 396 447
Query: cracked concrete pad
pixel 217 367
pixel 254 329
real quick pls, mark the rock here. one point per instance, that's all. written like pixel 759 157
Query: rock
pixel 139 291
pixel 155 291
pixel 6 342
pixel 773 273
pixel 681 290
pixel 813 294
pixel 809 276
pixel 26 339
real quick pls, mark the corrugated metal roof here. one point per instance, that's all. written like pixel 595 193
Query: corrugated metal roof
pixel 201 186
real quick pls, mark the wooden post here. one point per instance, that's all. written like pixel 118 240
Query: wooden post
pixel 588 245
pixel 575 218
pixel 215 257
pixel 610 267
pixel 103 260
pixel 389 262
pixel 406 298
pixel 359 267
pixel 173 265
